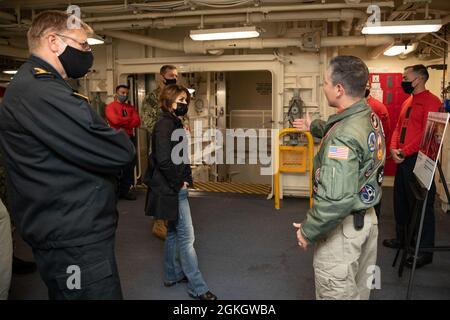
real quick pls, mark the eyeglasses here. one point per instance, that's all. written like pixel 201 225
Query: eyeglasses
pixel 84 45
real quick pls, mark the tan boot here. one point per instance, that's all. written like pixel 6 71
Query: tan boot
pixel 160 229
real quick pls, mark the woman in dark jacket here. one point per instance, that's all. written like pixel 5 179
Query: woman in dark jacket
pixel 168 180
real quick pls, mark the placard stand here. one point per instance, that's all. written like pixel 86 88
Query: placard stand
pixel 421 197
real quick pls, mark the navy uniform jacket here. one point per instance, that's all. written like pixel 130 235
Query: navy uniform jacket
pixel 62 160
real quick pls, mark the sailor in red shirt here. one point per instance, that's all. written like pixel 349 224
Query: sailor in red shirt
pixel 405 143
pixel 121 115
pixel 381 111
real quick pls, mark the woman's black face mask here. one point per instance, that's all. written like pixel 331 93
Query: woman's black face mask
pixel 181 110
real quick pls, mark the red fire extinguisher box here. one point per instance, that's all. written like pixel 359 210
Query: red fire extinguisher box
pixel 393 96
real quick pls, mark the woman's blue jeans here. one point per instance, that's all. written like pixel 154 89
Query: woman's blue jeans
pixel 180 257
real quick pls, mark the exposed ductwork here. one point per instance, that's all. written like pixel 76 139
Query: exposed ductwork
pixel 189 46
pixel 14 52
pixel 346 15
pixel 445 20
pixel 148 41
pixel 247 10
pixel 7 17
pixel 377 51
pixel 368 41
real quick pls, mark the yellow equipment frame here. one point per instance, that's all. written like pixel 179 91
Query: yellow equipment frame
pixel 284 163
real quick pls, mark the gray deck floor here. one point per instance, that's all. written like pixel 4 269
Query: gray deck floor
pixel 246 250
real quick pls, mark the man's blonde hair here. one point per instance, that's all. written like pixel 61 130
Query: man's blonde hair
pixel 52 21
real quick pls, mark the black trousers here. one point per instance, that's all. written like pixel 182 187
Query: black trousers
pixel 404 202
pixel 86 272
pixel 127 178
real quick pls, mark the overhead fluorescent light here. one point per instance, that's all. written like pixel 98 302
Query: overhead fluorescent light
pixel 400 49
pixel 95 39
pixel 224 33
pixel 397 27
pixel 10 71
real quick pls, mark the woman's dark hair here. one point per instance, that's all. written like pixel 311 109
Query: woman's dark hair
pixel 169 96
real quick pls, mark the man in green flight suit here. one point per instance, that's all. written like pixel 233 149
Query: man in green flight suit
pixel 347 177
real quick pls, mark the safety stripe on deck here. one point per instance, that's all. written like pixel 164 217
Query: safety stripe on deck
pixel 232 187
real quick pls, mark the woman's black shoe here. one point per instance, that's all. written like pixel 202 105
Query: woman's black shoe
pixel 206 296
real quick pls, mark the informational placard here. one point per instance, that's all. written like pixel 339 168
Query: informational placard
pixel 430 147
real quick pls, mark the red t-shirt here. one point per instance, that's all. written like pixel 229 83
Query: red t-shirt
pixel 382 112
pixel 122 116
pixel 413 120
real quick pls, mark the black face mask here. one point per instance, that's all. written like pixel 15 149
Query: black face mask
pixel 170 81
pixel 181 110
pixel 76 63
pixel 407 87
pixel 367 93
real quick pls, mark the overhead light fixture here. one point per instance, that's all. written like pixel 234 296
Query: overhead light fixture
pixel 397 27
pixel 95 39
pixel 224 33
pixel 10 71
pixel 397 49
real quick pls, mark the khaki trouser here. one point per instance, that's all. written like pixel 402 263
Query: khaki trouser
pixel 343 258
pixel 6 252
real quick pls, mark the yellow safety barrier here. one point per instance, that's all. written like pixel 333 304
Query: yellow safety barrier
pixel 293 159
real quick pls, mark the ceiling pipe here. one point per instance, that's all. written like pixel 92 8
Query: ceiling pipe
pixel 363 40
pixel 14 52
pixel 7 16
pixel 246 10
pixel 346 27
pixel 5 78
pixel 153 42
pixel 189 46
pixel 446 20
pixel 378 51
pixel 328 15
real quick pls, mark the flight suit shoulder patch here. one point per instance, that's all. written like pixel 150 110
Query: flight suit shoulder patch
pixel 80 96
pixel 338 152
pixel 42 73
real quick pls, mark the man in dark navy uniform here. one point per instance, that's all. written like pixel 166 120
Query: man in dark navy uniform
pixel 62 162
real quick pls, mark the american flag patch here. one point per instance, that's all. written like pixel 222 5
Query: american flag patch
pixel 340 153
